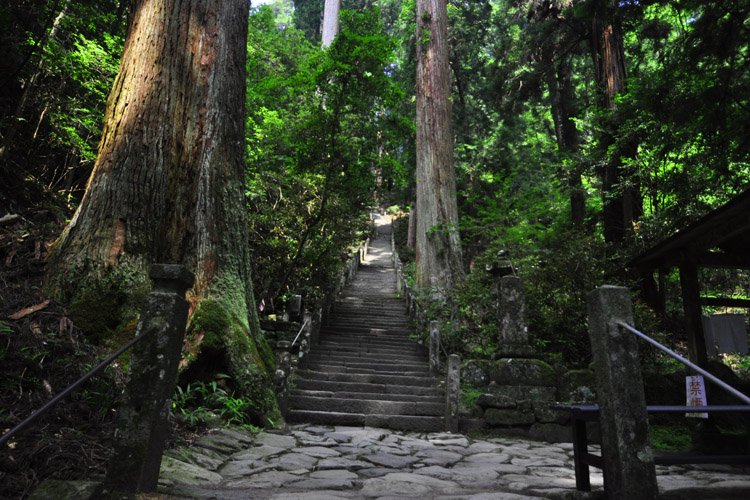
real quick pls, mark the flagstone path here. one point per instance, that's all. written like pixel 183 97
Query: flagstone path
pixel 307 462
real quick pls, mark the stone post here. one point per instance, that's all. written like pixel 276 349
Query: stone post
pixel 629 472
pixel 141 425
pixel 434 348
pixel 281 376
pixel 310 331
pixel 453 393
pixel 514 335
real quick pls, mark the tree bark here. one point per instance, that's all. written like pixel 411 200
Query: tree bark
pixel 411 235
pixel 438 253
pixel 566 133
pixel 168 182
pixel 622 204
pixel 330 21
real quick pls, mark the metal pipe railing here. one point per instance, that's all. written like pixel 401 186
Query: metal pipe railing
pixel 299 333
pixel 52 402
pixel 686 362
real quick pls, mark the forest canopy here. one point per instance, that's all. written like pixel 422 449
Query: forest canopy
pixel 584 132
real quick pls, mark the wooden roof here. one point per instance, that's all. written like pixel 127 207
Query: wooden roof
pixel 721 238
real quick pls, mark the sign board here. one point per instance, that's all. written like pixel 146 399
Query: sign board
pixel 696 394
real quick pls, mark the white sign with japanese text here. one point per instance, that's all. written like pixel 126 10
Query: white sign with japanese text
pixel 696 394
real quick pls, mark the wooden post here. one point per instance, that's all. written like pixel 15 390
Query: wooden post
pixel 691 303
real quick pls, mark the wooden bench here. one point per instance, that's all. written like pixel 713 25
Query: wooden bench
pixel 580 414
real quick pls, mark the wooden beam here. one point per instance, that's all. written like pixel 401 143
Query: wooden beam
pixel 724 301
pixel 691 302
pixel 723 260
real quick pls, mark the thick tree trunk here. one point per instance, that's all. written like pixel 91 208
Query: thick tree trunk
pixel 438 256
pixel 411 235
pixel 168 183
pixel 622 204
pixel 566 133
pixel 330 21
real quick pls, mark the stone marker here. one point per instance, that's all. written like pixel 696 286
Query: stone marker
pixel 453 393
pixel 629 472
pixel 512 311
pixel 434 348
pixel 142 420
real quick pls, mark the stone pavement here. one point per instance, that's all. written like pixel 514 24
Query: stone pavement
pixel 307 462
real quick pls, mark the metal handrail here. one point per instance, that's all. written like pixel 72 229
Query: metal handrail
pixel 52 402
pixel 687 363
pixel 300 332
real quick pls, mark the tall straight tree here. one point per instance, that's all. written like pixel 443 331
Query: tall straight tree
pixel 438 255
pixel 622 203
pixel 330 21
pixel 168 183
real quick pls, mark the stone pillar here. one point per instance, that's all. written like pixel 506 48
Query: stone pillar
pixel 142 425
pixel 310 331
pixel 514 334
pixel 629 472
pixel 281 376
pixel 453 393
pixel 434 348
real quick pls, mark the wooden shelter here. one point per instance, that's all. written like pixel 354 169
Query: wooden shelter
pixel 720 239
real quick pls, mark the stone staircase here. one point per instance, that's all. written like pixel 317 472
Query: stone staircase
pixel 365 370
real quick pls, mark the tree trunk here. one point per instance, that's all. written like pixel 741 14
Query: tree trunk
pixel 330 21
pixel 438 256
pixel 620 203
pixel 411 235
pixel 168 185
pixel 566 133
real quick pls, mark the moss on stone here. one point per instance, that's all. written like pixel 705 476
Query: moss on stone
pixel 102 300
pixel 211 319
pixel 246 357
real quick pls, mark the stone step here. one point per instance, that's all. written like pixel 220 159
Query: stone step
pixel 397 422
pixel 354 339
pixel 346 369
pixel 367 378
pixel 336 386
pixel 364 357
pixel 440 398
pixel 367 332
pixel 370 351
pixel 393 309
pixel 383 350
pixel 315 357
pixel 371 320
pixel 366 406
pixel 327 363
pixel 366 326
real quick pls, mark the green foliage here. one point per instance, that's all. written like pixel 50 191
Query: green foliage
pixel 469 396
pixel 319 127
pixel 59 85
pixel 739 363
pixel 671 437
pixel 200 404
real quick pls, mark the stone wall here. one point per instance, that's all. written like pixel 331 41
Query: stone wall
pixel 519 395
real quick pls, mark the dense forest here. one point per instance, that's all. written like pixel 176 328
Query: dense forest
pixel 583 133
